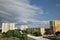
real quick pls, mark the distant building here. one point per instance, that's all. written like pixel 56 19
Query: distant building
pixel 7 26
pixel 42 30
pixel 32 29
pixel 23 27
pixel 55 26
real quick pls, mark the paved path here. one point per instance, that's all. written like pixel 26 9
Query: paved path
pixel 37 38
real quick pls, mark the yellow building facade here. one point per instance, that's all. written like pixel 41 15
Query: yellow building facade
pixel 42 30
pixel 55 26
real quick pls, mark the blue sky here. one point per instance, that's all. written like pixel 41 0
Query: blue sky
pixel 52 7
pixel 34 13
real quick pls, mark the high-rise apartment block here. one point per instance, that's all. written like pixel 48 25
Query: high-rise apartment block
pixel 7 26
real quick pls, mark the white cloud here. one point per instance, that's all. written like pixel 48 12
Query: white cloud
pixel 40 24
pixel 19 10
pixel 58 5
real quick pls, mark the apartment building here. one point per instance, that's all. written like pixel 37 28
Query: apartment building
pixel 55 26
pixel 23 27
pixel 42 30
pixel 7 26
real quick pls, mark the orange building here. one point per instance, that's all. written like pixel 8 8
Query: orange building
pixel 55 26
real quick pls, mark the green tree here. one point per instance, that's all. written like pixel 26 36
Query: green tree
pixel 37 33
pixel 22 35
pixel 48 31
pixel 9 33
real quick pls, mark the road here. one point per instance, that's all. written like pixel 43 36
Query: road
pixel 36 38
pixel 41 38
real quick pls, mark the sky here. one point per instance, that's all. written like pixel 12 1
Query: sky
pixel 34 13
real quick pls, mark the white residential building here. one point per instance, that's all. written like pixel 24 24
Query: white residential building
pixel 23 27
pixel 7 26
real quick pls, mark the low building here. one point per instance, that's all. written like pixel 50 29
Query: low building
pixel 7 26
pixel 42 30
pixel 32 29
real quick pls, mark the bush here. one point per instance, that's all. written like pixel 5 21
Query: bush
pixel 58 37
pixel 37 33
pixel 3 34
pixel 57 33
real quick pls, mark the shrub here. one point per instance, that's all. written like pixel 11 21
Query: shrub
pixel 57 33
pixel 58 37
pixel 3 34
